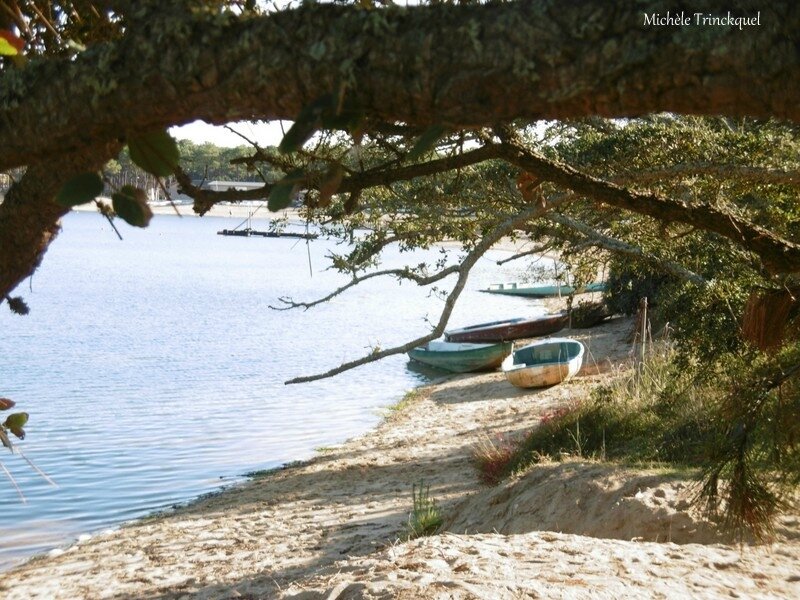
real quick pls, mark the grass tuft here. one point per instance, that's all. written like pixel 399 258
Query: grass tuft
pixel 651 414
pixel 425 518
pixel 491 458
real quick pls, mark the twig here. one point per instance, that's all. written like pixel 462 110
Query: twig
pixel 13 482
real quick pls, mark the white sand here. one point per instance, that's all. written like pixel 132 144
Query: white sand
pixel 329 528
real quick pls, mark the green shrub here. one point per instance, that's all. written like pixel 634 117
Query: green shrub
pixel 648 414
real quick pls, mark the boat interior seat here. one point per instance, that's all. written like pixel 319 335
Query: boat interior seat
pixel 546 353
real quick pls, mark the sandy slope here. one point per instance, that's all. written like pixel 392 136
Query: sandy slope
pixel 329 528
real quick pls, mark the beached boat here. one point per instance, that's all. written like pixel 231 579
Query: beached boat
pixel 510 329
pixel 543 363
pixel 461 358
pixel 543 291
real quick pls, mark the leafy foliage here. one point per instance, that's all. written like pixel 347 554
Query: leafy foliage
pixel 80 189
pixel 130 204
pixel 156 152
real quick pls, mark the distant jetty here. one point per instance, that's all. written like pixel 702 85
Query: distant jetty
pixel 249 232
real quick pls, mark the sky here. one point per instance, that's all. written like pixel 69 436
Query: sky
pixel 264 134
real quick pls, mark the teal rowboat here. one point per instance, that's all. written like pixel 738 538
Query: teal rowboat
pixel 543 291
pixel 461 357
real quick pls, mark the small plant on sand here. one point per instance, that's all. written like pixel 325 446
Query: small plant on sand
pixel 425 518
pixel 491 458
pixel 408 399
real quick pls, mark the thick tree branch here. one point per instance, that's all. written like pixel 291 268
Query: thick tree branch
pixel 205 199
pixel 461 66
pixel 463 270
pixel 777 255
pixel 29 215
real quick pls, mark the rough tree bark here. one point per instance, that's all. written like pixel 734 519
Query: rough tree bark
pixel 459 66
pixel 29 215
pixel 455 65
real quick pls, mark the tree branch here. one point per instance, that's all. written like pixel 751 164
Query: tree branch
pixel 456 65
pixel 751 174
pixel 777 254
pixel 399 273
pixel 614 245
pixel 205 199
pixel 29 215
pixel 463 270
pixel 536 250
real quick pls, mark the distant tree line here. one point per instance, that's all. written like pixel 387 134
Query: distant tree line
pixel 201 163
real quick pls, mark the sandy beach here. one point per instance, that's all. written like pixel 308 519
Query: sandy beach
pixel 334 527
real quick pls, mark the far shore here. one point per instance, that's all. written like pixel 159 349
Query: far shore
pixel 335 526
pixel 259 212
pixel 237 210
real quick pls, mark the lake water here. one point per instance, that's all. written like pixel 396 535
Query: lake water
pixel 153 369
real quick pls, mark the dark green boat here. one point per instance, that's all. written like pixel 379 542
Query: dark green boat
pixel 461 357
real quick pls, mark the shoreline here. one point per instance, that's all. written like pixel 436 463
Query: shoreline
pixel 332 526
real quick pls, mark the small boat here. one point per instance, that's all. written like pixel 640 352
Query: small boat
pixel 543 363
pixel 543 291
pixel 461 358
pixel 510 329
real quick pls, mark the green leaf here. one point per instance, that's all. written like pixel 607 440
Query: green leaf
pixel 80 189
pixel 130 204
pixel 330 185
pixel 307 123
pixel 426 141
pixel 18 305
pixel 6 403
pixel 10 44
pixel 155 152
pixel 349 119
pixel 16 421
pixel 285 190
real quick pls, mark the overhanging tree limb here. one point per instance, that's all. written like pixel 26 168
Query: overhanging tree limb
pixel 356 182
pixel 461 66
pixel 779 256
pixel 29 214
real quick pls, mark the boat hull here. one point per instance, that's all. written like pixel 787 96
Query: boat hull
pixel 514 329
pixel 461 358
pixel 543 291
pixel 540 369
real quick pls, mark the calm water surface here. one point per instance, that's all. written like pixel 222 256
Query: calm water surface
pixel 153 368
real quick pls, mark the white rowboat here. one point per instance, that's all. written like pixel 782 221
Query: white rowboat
pixel 543 363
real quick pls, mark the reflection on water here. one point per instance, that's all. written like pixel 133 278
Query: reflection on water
pixel 153 368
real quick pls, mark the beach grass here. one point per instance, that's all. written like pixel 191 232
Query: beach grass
pixel 425 518
pixel 647 415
